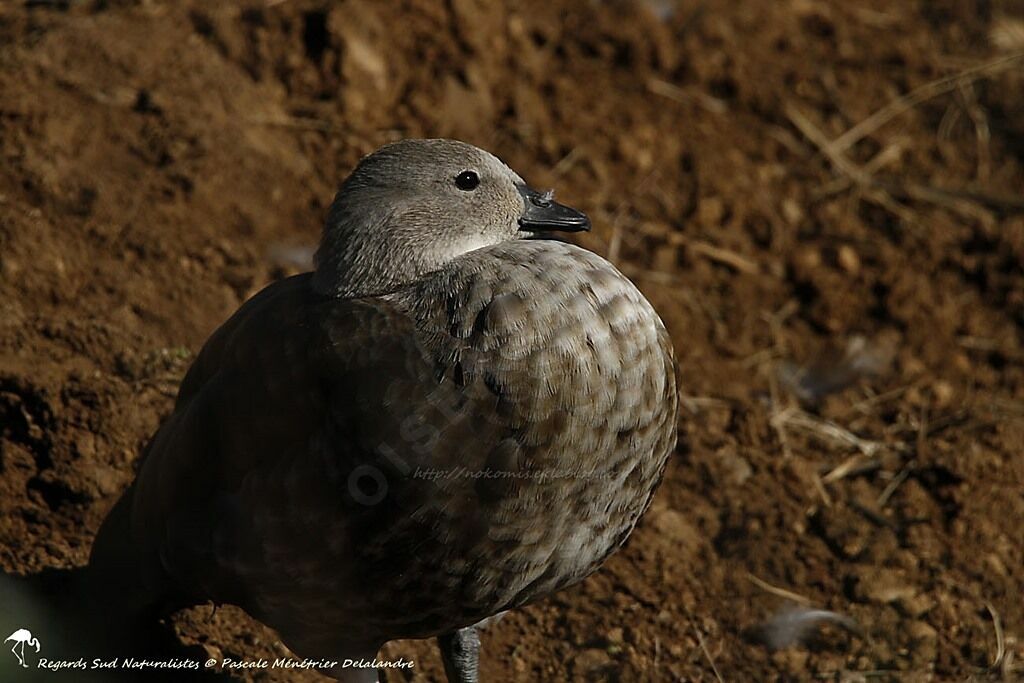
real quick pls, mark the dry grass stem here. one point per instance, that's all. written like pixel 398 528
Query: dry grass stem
pixel 775 590
pixel 854 174
pixel 857 464
pixel 867 406
pixel 819 486
pixel 915 97
pixel 948 196
pixel 981 129
pixel 700 248
pixel 874 516
pixel 759 358
pixel 724 256
pixel 677 94
pixel 615 244
pixel 695 404
pixel 978 343
pixel 779 425
pixel 828 430
pixel 888 155
pixel 821 141
pixel 901 476
pixel 997 625
pixel 566 163
pixel 964 201
pixel 707 652
pixel 775 322
pixel 890 489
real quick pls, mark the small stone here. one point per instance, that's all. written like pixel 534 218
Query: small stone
pixel 516 27
pixel 108 480
pixel 925 641
pixel 85 445
pixel 996 565
pixel 845 531
pixel 915 605
pixel 643 158
pixel 848 259
pixel 710 211
pixel 672 525
pixel 809 258
pixel 913 366
pixel 883 585
pixel 792 660
pixel 212 652
pixel 739 470
pixel 943 392
pixel 792 212
pixel 9 268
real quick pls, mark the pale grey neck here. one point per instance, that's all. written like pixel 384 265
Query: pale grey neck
pixel 359 273
pixel 352 259
pixel 349 266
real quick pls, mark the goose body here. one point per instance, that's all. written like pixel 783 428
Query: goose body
pixel 356 467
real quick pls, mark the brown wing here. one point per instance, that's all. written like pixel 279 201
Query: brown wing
pixel 287 468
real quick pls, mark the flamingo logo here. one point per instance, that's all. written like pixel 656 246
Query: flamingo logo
pixel 20 638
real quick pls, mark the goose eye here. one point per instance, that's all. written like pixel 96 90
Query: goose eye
pixel 467 180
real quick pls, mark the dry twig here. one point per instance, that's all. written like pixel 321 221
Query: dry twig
pixel 997 625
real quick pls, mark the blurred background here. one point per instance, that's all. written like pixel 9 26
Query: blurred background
pixel 823 199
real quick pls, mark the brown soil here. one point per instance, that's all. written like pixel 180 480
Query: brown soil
pixel 161 161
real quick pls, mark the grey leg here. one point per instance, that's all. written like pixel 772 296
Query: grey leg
pixel 460 651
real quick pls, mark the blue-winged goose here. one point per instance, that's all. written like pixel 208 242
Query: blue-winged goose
pixel 451 417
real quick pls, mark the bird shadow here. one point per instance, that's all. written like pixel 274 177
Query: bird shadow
pixel 81 640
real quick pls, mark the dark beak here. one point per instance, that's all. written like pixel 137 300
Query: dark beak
pixel 542 213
